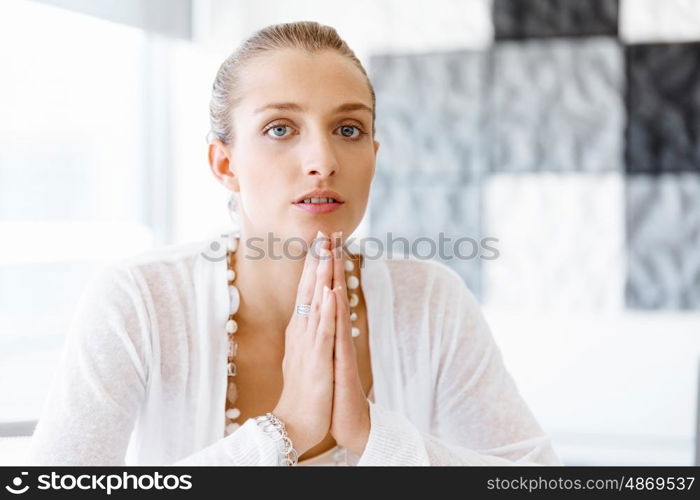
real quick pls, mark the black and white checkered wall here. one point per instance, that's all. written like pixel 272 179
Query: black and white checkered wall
pixel 574 139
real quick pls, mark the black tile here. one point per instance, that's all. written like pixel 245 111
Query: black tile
pixel 428 115
pixel 556 105
pixel 663 108
pixel 430 163
pixel 515 19
pixel 663 237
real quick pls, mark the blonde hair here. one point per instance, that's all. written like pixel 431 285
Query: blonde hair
pixel 306 35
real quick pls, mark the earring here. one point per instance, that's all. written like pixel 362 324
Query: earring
pixel 233 210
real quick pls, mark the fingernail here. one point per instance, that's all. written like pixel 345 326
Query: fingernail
pixel 325 293
pixel 320 234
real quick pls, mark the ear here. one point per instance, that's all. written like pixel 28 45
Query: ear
pixel 220 164
pixel 376 148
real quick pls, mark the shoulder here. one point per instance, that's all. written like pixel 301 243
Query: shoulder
pixel 158 280
pixel 160 269
pixel 427 276
pixel 429 288
pixel 431 293
pixel 171 256
pixel 133 292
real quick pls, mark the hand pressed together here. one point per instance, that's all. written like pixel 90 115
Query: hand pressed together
pixel 350 420
pixel 322 390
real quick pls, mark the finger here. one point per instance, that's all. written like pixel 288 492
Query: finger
pixel 344 347
pixel 307 282
pixel 322 279
pixel 326 327
pixel 341 281
pixel 338 260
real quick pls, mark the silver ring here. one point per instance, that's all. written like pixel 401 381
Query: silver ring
pixel 304 310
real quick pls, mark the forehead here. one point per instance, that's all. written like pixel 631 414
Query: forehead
pixel 317 81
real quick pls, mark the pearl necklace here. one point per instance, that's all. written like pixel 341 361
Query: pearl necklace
pixel 233 413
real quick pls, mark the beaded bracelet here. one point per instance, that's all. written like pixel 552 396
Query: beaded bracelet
pixel 276 429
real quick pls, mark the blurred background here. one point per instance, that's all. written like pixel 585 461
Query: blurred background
pixel 567 130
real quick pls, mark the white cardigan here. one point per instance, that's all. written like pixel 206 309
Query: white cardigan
pixel 142 377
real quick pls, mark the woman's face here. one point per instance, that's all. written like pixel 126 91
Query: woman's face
pixel 280 153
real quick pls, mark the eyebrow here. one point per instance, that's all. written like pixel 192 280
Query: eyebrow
pixel 291 106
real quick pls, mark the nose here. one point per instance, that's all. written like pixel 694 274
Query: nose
pixel 321 160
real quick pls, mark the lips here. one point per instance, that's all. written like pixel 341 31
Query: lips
pixel 316 200
pixel 323 195
pixel 318 208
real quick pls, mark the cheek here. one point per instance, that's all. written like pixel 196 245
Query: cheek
pixel 264 188
pixel 361 184
pixel 365 175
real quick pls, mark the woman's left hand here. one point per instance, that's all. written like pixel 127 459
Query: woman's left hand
pixel 350 419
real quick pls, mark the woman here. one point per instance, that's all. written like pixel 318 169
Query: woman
pixel 308 353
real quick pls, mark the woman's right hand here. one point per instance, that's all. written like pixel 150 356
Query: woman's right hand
pixel 305 404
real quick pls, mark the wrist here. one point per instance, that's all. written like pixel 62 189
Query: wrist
pixel 277 431
pixel 358 445
pixel 296 435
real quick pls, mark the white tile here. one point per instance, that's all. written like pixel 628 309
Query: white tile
pixel 561 241
pixel 367 26
pixel 659 20
pixel 436 25
pixel 611 389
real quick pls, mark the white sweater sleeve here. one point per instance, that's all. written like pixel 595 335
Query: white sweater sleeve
pixel 100 385
pixel 480 417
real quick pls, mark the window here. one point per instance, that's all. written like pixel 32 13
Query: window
pixel 74 178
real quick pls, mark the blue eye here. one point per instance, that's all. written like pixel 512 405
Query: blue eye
pixel 346 127
pixel 277 127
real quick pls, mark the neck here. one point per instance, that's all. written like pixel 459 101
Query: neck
pixel 268 281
